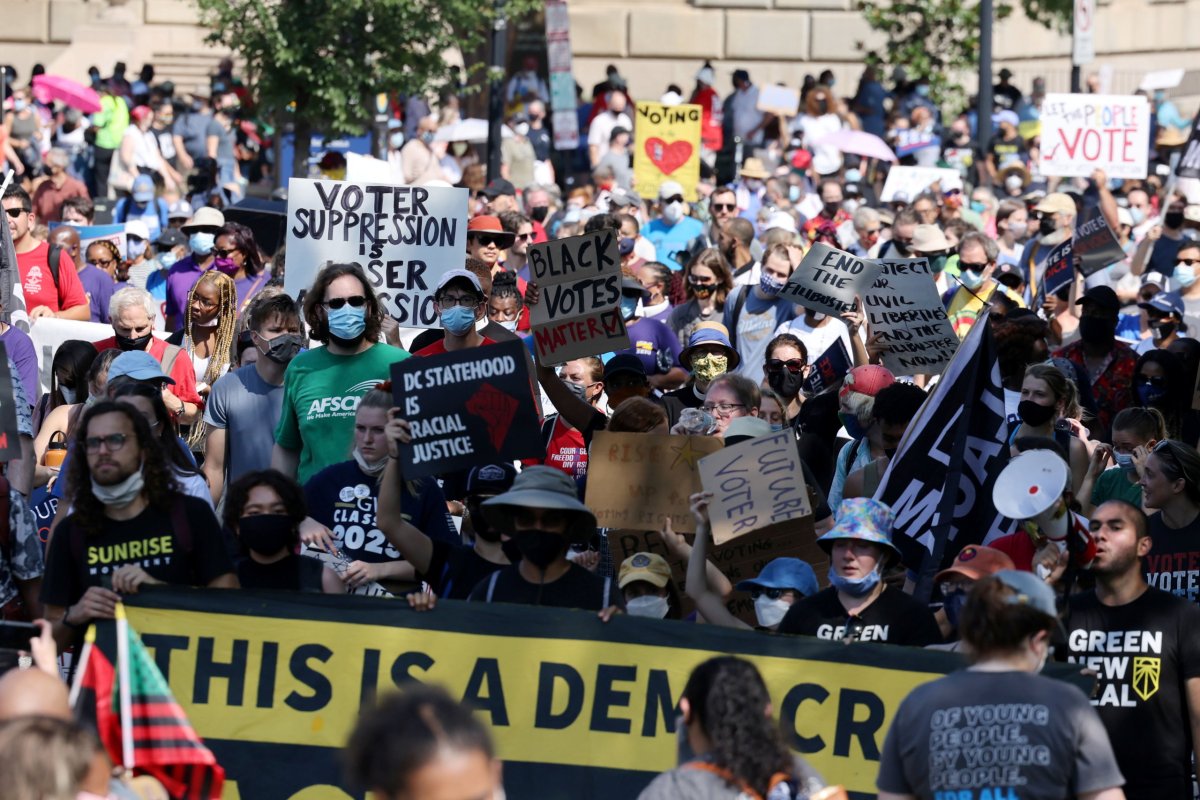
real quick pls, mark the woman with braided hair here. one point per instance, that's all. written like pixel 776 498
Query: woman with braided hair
pixel 207 336
pixel 740 749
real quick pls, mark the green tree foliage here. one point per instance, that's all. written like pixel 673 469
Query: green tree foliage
pixel 939 39
pixel 324 59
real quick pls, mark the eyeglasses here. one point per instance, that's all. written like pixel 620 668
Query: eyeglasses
pixel 357 301
pixel 485 240
pixel 445 302
pixel 104 263
pixel 203 302
pixel 15 212
pixel 1187 262
pixel 675 198
pixel 723 206
pixel 793 365
pixel 113 442
pixel 524 237
pixel 721 409
pixel 963 265
pixel 772 594
pixel 219 253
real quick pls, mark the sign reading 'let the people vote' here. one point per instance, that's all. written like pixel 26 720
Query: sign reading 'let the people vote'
pixel 578 312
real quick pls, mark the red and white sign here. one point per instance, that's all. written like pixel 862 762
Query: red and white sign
pixel 1085 132
pixel 1083 43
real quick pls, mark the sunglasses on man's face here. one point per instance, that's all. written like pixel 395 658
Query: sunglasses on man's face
pixel 724 206
pixel 14 212
pixel 357 301
pixel 488 241
pixel 792 365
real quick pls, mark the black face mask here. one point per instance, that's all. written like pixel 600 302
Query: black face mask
pixel 538 213
pixel 267 534
pixel 1162 329
pixel 126 344
pixel 282 349
pixel 831 209
pixel 479 522
pixel 1096 330
pixel 785 382
pixel 1173 219
pixel 1034 414
pixel 510 550
pixel 1047 226
pixel 540 548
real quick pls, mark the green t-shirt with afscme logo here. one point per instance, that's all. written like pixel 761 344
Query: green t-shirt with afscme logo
pixel 321 393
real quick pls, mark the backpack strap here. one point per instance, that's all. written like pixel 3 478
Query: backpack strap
pixel 168 360
pixel 54 257
pixel 606 599
pixel 183 533
pixel 738 305
pixel 548 431
pixel 492 585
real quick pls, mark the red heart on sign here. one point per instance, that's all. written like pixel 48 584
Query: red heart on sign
pixel 668 156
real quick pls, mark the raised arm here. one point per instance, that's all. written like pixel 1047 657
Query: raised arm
pixel 415 546
pixel 708 602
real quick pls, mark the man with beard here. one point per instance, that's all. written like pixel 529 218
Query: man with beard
pixel 1109 362
pixel 451 570
pixel 322 386
pixel 129 527
pixel 1145 646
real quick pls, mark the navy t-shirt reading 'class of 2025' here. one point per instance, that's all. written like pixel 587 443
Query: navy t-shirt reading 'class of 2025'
pixel 345 499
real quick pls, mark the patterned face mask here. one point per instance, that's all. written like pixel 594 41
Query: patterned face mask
pixel 708 366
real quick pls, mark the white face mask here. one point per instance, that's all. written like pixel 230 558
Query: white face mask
pixel 120 494
pixel 522 129
pixel 817 316
pixel 673 212
pixel 650 605
pixel 770 612
pixel 373 469
pixel 510 325
pixel 68 393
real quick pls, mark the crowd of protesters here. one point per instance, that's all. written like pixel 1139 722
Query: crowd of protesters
pixel 198 460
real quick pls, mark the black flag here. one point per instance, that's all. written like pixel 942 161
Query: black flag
pixel 939 484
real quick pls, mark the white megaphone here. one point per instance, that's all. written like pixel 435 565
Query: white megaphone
pixel 1029 490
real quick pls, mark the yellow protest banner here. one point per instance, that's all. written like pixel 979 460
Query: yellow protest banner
pixel 667 148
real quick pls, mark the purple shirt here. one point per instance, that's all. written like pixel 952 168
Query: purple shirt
pixel 180 279
pixel 24 355
pixel 655 345
pixel 100 288
pixel 249 286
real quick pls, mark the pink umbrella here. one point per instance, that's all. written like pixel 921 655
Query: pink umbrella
pixel 56 87
pixel 861 143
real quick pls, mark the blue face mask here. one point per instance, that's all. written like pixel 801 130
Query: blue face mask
pixel 628 307
pixel 167 259
pixel 855 587
pixel 458 320
pixel 852 425
pixel 953 604
pixel 202 243
pixel 347 322
pixel 794 193
pixel 770 285
pixel 978 207
pixel 1125 461
pixel 1150 395
pixel 923 90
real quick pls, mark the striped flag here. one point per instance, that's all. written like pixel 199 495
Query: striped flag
pixel 119 689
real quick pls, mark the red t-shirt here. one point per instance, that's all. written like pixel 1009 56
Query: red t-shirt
pixel 38 282
pixel 181 370
pixel 566 451
pixel 440 347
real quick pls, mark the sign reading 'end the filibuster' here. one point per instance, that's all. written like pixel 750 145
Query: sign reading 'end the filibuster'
pixel 1085 132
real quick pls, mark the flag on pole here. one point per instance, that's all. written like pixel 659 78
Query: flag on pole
pixel 939 484
pixel 120 690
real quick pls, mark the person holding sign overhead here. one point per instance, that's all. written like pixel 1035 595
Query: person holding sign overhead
pixel 323 387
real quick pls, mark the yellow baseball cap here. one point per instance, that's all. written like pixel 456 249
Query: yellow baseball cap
pixel 648 567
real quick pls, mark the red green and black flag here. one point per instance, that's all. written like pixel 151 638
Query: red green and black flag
pixel 120 690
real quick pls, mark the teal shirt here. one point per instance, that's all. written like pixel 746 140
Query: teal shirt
pixel 321 393
pixel 1114 485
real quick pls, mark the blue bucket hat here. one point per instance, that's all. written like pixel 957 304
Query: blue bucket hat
pixel 783 573
pixel 138 365
pixel 710 334
pixel 864 519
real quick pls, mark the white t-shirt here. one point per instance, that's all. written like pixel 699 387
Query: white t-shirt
pixel 746 116
pixel 817 340
pixel 602 127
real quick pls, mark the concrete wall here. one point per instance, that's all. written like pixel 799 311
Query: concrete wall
pixel 654 43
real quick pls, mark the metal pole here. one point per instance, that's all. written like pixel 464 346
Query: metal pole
pixel 496 90
pixel 983 125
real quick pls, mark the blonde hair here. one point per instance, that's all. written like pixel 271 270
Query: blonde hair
pixel 220 355
pixel 44 758
pixel 1063 388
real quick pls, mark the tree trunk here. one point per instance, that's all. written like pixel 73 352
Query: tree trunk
pixel 303 141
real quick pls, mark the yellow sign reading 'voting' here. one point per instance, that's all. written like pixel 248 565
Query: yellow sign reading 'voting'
pixel 667 148
pixel 283 676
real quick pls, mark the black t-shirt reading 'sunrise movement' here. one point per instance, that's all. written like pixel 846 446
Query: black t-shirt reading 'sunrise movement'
pixel 894 618
pixel 78 560
pixel 1144 653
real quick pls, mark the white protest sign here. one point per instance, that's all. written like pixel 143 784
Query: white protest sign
pixel 404 237
pixel 754 484
pixel 905 183
pixel 903 305
pixel 579 311
pixel 1161 79
pixel 781 100
pixel 1085 132
pixel 48 333
pixel 829 280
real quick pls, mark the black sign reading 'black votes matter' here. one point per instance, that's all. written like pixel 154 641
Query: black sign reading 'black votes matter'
pixel 466 408
pixel 939 484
